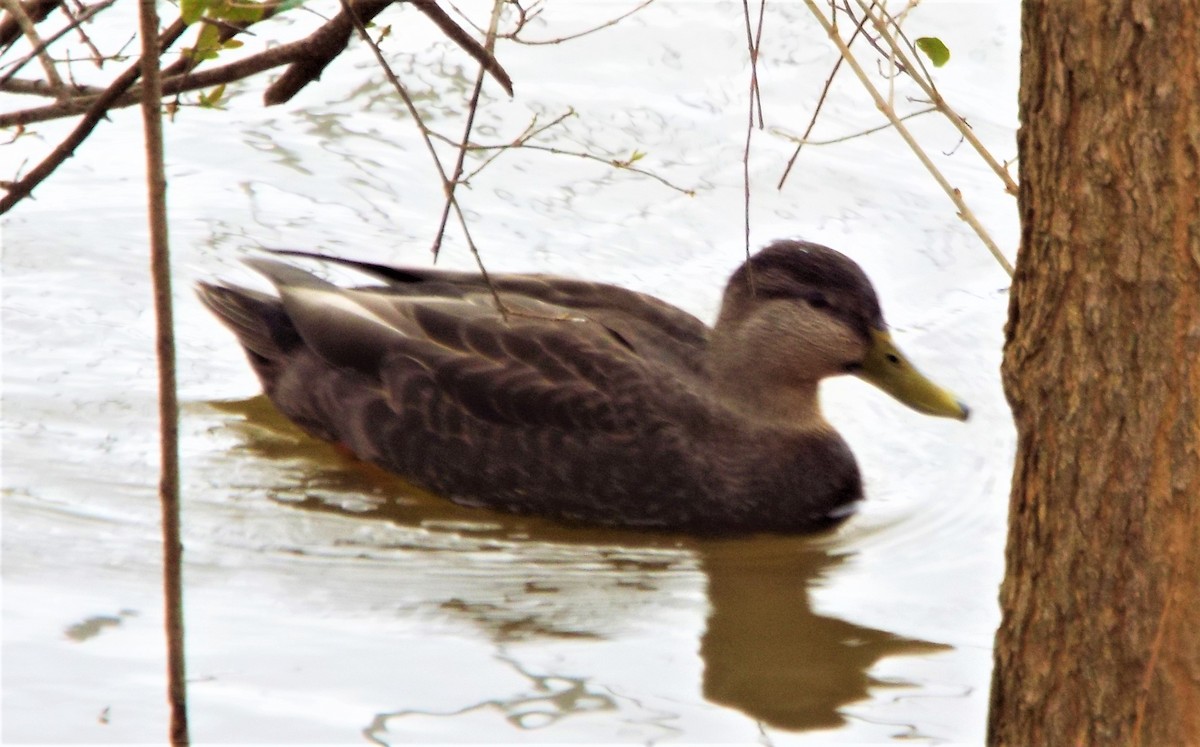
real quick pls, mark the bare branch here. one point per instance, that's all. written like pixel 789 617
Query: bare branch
pixel 482 54
pixel 44 43
pixel 817 110
pixel 168 397
pixel 753 40
pixel 39 87
pixel 35 10
pixel 97 57
pixel 881 24
pixel 624 165
pixel 283 54
pixel 14 9
pixel 559 40
pixel 327 42
pixel 99 107
pixel 955 195
pixel 228 30
pixel 447 184
pixel 324 45
pixel 869 131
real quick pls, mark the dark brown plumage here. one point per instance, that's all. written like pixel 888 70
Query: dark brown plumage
pixel 585 401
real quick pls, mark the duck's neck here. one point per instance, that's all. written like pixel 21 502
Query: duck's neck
pixel 791 404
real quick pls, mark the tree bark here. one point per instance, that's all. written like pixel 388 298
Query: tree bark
pixel 1100 639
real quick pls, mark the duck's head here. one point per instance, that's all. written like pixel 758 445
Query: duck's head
pixel 798 312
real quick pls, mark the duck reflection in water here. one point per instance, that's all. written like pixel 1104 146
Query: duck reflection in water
pixel 765 651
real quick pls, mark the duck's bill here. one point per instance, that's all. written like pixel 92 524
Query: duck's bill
pixel 887 368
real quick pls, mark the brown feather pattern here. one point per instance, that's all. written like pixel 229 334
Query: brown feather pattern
pixel 588 402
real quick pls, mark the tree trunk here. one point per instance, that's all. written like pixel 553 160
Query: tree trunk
pixel 1100 639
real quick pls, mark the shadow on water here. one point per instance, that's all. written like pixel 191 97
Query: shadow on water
pixel 765 651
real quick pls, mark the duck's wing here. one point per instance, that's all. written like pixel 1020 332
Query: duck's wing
pixel 434 355
pixel 655 329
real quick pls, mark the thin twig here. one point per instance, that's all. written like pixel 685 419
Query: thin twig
pixel 926 84
pixel 86 40
pixel 39 87
pixel 753 40
pixel 522 141
pixel 624 165
pixel 861 133
pixel 98 109
pixel 484 55
pixel 44 43
pixel 325 44
pixel 532 130
pixel 426 136
pixel 227 31
pixel 284 54
pixel 36 10
pixel 964 212
pixel 571 37
pixel 168 404
pixel 812 122
pixel 308 54
pixel 14 9
pixel 462 145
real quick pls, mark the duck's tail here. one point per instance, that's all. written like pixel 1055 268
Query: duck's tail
pixel 260 323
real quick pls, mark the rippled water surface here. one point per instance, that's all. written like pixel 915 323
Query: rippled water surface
pixel 330 602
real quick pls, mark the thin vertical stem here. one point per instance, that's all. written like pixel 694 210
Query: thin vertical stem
pixel 881 104
pixel 168 406
pixel 753 42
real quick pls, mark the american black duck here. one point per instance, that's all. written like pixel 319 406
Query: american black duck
pixel 585 401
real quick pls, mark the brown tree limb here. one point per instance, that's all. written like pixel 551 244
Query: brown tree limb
pixel 323 46
pixel 97 56
pixel 328 42
pixel 283 54
pixel 228 30
pixel 168 404
pixel 466 42
pixel 21 188
pixel 37 10
pixel 38 87
pixel 26 24
pixel 76 20
pixel 308 58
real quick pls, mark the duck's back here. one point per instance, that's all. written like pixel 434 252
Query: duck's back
pixel 583 401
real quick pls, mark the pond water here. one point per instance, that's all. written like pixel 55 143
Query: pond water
pixel 328 602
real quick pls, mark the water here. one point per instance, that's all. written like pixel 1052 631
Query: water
pixel 329 602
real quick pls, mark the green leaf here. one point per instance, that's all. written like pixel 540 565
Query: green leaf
pixel 191 10
pixel 212 98
pixel 241 12
pixel 287 5
pixel 933 47
pixel 636 156
pixel 208 43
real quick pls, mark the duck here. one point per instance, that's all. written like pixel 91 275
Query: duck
pixel 580 401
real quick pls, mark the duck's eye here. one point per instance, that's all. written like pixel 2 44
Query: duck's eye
pixel 817 301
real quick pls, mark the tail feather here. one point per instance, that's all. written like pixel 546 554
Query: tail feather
pixel 258 320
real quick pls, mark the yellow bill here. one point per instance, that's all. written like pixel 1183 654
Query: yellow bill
pixel 887 368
